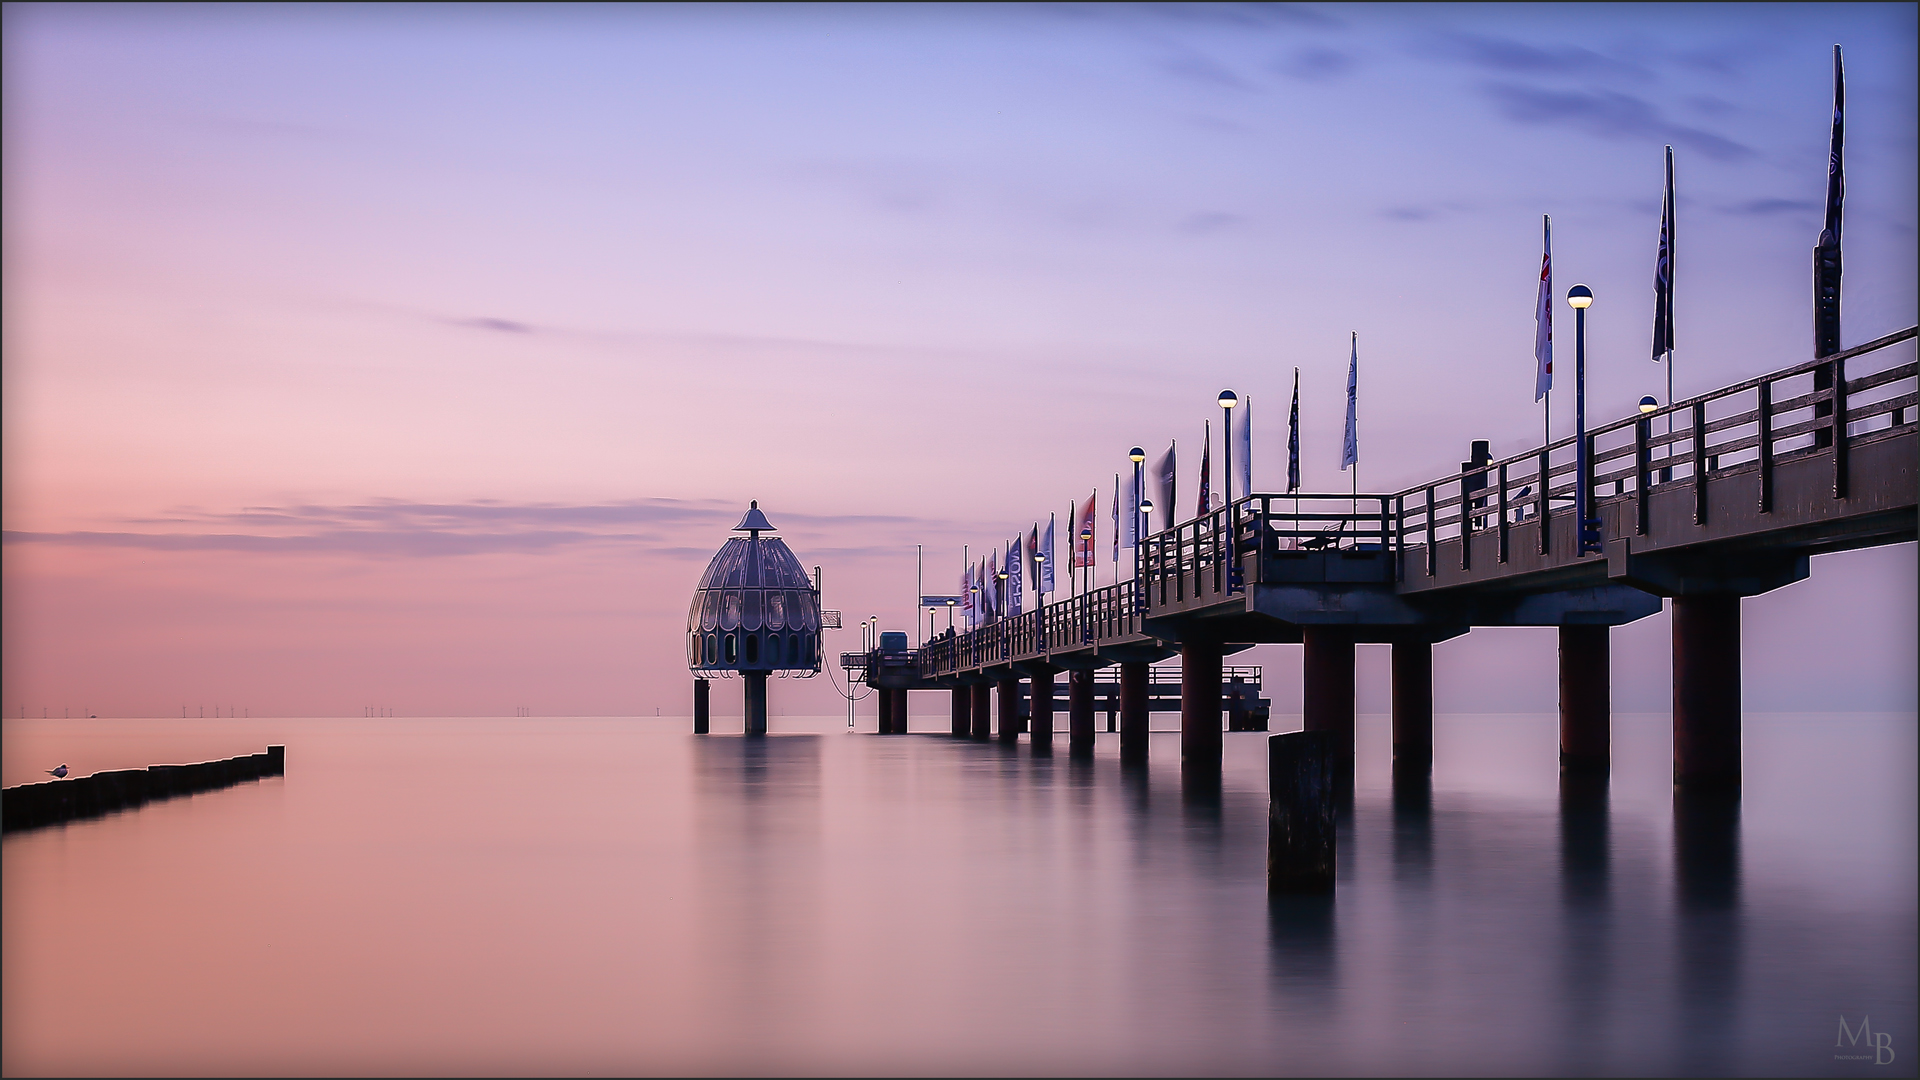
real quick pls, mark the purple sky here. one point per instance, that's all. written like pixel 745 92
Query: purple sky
pixel 421 356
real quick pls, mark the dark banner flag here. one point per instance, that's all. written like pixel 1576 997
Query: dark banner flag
pixel 1164 472
pixel 1206 468
pixel 1293 437
pixel 1663 274
pixel 1826 254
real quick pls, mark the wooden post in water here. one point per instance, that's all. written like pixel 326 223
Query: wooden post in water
pixel 701 688
pixel 1300 793
pixel 962 711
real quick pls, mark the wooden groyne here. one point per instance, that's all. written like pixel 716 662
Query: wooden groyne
pixel 33 805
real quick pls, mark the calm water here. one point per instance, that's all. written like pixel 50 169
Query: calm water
pixel 560 896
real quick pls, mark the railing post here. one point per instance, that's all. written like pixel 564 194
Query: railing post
pixel 1839 428
pixel 1699 463
pixel 1642 429
pixel 1433 564
pixel 1765 414
pixel 1503 513
pixel 1466 523
pixel 1542 507
pixel 1400 538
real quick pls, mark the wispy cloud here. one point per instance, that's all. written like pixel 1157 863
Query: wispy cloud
pixel 1509 56
pixel 502 326
pixel 1316 64
pixel 1208 222
pixel 400 528
pixel 1770 207
pixel 1608 114
pixel 1200 69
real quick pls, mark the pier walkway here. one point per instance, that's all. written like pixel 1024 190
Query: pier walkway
pixel 1752 480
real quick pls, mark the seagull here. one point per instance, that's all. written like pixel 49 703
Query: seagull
pixel 60 772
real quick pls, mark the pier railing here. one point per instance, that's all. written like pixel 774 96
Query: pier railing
pixel 1524 502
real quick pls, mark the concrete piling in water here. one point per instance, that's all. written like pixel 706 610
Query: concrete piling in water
pixel 883 703
pixel 1300 812
pixel 1040 721
pixel 1412 708
pixel 1080 714
pixel 55 801
pixel 1327 697
pixel 1133 711
pixel 900 711
pixel 962 711
pixel 1706 692
pixel 1200 738
pixel 701 712
pixel 756 702
pixel 1586 700
pixel 1009 709
pixel 983 711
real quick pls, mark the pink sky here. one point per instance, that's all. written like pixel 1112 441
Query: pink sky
pixel 421 357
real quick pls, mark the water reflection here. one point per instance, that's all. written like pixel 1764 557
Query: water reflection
pixel 1586 920
pixel 1708 928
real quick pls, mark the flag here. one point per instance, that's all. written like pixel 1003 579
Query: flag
pixel 1083 544
pixel 1350 452
pixel 1206 469
pixel 1116 519
pixel 966 597
pixel 1033 560
pixel 991 570
pixel 1129 521
pixel 1663 273
pixel 1543 316
pixel 1826 254
pixel 1046 552
pixel 1293 436
pixel 1164 472
pixel 1016 575
pixel 1243 447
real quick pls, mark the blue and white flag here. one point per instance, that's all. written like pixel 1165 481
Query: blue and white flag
pixel 1164 473
pixel 1663 273
pixel 1016 574
pixel 1243 447
pixel 1293 436
pixel 1130 517
pixel 1543 316
pixel 1116 519
pixel 1046 558
pixel 966 597
pixel 1350 453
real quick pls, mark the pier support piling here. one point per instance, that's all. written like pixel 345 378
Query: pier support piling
pixel 1586 699
pixel 1080 713
pixel 962 711
pixel 1009 709
pixel 1300 812
pixel 883 704
pixel 1706 691
pixel 756 694
pixel 1200 739
pixel 1133 711
pixel 701 713
pixel 1040 712
pixel 982 710
pixel 1327 697
pixel 1412 708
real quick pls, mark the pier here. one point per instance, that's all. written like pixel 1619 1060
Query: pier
pixel 1751 482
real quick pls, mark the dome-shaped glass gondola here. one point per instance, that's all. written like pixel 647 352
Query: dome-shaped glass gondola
pixel 755 610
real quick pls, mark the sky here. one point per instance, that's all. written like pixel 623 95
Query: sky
pixel 420 357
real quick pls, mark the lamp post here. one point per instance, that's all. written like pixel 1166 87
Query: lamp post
pixel 1137 456
pixel 950 606
pixel 1228 399
pixel 1588 527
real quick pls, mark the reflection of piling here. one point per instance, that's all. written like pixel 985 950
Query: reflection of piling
pixel 1300 841
pixel 700 710
pixel 51 803
pixel 756 701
